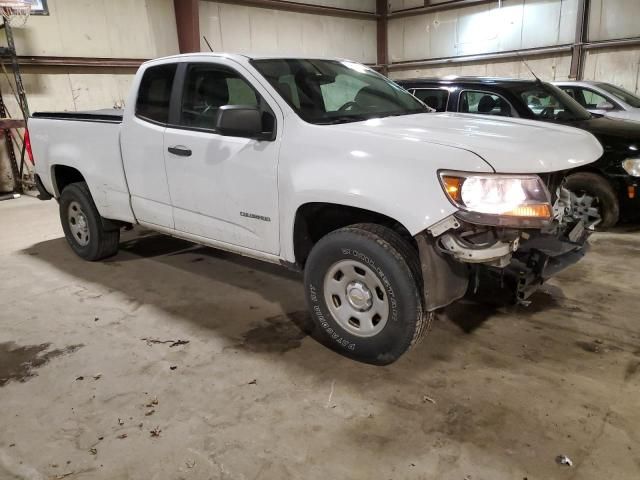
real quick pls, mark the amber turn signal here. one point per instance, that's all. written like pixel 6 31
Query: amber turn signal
pixel 452 186
pixel 536 210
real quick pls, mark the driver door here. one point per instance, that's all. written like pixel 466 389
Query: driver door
pixel 222 188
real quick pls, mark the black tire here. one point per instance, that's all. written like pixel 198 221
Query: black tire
pixel 103 238
pixel 394 262
pixel 597 186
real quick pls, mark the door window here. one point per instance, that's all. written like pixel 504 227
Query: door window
pixel 154 94
pixel 587 98
pixel 209 87
pixel 436 98
pixel 484 103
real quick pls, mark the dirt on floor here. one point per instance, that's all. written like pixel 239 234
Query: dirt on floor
pixel 173 361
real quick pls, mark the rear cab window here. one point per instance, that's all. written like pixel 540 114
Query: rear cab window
pixel 436 98
pixel 484 103
pixel 154 93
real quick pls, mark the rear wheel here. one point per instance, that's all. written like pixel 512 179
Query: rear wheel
pixel 364 289
pixel 85 230
pixel 594 196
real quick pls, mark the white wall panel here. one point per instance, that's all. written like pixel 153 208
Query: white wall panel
pixel 477 30
pixel 240 29
pixel 510 25
pixel 360 5
pixel 395 5
pixel 494 27
pixel 70 89
pixel 101 28
pixel 619 67
pixel 442 34
pixel 549 68
pixel 609 19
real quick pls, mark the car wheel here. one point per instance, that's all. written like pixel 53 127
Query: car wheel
pixel 83 226
pixel 593 191
pixel 364 289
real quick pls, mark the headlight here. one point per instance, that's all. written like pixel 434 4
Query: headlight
pixel 632 166
pixel 506 195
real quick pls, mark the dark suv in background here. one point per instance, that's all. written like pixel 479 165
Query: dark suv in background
pixel 608 187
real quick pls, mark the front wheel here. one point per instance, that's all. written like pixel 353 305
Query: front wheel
pixel 594 196
pixel 364 290
pixel 83 226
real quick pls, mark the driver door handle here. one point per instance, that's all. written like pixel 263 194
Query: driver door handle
pixel 180 151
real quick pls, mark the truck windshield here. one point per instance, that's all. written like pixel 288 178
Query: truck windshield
pixel 627 97
pixel 547 102
pixel 331 91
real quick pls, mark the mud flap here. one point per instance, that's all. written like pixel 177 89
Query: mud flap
pixel 445 280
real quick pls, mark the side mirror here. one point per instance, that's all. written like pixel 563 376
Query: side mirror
pixel 604 106
pixel 239 121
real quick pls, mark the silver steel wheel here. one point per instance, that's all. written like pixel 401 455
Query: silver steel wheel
pixel 586 207
pixel 78 224
pixel 356 298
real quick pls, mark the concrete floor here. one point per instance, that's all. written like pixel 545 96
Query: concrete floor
pixel 489 394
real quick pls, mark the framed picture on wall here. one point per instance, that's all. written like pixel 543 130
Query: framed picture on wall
pixel 39 7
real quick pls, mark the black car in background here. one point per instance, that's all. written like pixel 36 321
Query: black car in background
pixel 609 185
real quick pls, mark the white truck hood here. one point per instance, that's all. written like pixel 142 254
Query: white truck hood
pixel 509 145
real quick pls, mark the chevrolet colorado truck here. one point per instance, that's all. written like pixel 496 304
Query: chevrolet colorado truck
pixel 325 166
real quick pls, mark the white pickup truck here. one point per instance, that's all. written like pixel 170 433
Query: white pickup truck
pixel 328 167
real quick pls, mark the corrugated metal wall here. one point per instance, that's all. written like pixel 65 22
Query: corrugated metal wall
pixel 612 19
pixel 90 28
pixel 240 29
pixel 514 25
pixel 489 28
pixel 359 5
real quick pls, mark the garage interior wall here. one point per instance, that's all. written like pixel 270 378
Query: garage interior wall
pixel 455 35
pixel 264 31
pixel 611 20
pixel 496 27
pixel 117 29
pixel 141 29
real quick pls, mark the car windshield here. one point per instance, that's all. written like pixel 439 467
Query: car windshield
pixel 627 97
pixel 547 102
pixel 332 91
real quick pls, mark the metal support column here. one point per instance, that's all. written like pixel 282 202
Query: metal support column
pixel 382 11
pixel 8 124
pixel 577 50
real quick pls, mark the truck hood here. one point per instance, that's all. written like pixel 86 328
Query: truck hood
pixel 508 145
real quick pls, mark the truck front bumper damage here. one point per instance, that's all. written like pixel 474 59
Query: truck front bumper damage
pixel 501 264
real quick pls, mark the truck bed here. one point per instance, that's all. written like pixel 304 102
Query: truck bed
pixel 88 142
pixel 107 115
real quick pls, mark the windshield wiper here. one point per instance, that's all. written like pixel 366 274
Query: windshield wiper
pixel 343 119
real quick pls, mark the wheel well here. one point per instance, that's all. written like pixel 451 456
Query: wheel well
pixel 64 175
pixel 314 220
pixel 586 169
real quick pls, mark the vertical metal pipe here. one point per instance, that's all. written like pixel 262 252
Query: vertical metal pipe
pixel 188 25
pixel 382 11
pixel 577 51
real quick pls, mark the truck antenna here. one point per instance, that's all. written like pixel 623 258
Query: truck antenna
pixel 529 68
pixel 207 42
